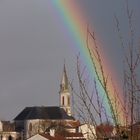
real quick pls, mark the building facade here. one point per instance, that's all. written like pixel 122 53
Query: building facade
pixel 7 131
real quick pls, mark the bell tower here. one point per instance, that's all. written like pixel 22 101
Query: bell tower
pixel 65 99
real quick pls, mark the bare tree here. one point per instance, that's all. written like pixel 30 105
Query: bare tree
pixel 131 66
pixel 92 109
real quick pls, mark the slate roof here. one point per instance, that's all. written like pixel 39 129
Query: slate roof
pixel 52 112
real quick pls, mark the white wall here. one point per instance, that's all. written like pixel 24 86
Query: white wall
pixel 38 126
pixel 35 127
pixel 1 126
pixel 88 131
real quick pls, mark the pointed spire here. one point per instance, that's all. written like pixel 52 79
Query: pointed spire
pixel 64 83
pixel 65 99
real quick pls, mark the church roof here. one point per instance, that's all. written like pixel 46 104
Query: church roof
pixel 52 112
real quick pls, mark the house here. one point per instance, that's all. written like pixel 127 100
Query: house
pixel 88 131
pixel 7 131
pixel 45 137
pixel 38 137
pixel 62 127
pixel 53 135
pixel 104 131
pixel 65 134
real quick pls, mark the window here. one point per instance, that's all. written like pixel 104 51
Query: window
pixel 68 101
pixel 30 127
pixel 63 100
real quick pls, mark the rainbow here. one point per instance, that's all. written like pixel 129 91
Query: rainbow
pixel 76 25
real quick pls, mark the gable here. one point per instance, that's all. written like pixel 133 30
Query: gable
pixel 38 137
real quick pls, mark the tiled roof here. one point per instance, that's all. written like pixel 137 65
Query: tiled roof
pixel 48 137
pixel 74 136
pixel 104 130
pixel 72 124
pixel 53 112
pixel 70 136
pixel 56 137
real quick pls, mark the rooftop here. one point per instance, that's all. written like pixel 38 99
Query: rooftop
pixel 42 112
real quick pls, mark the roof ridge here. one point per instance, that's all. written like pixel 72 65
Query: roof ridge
pixel 45 112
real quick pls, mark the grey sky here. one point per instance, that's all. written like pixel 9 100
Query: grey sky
pixel 33 49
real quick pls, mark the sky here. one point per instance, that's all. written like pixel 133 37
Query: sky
pixel 33 48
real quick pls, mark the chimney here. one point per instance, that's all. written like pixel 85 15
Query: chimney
pixel 52 132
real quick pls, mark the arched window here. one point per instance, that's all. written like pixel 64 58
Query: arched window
pixel 30 127
pixel 63 100
pixel 68 101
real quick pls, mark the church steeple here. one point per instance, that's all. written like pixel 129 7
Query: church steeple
pixel 64 86
pixel 65 93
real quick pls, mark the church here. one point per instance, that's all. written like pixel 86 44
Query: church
pixel 43 119
pixel 47 122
